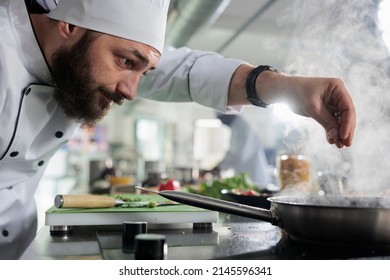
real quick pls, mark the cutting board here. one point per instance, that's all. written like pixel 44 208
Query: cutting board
pixel 172 214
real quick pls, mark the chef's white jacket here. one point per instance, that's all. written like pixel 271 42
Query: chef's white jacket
pixel 33 127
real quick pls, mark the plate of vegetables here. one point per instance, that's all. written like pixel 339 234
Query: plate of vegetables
pixel 238 189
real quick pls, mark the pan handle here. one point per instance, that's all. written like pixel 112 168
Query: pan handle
pixel 220 205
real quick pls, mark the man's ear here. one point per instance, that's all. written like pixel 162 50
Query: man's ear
pixel 66 30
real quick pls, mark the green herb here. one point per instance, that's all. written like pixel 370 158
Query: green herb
pixel 214 188
pixel 125 198
pixel 152 204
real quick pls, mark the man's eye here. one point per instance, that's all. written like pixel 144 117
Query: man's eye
pixel 127 62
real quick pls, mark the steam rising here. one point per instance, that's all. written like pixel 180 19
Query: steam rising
pixel 342 39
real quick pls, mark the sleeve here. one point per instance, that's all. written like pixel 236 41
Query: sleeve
pixel 185 75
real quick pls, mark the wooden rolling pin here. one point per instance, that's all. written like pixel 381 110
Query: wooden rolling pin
pixel 86 201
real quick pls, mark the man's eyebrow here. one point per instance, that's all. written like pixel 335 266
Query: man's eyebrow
pixel 141 57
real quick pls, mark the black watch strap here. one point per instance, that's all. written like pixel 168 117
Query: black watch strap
pixel 251 85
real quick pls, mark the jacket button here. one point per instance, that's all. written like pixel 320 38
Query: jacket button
pixel 5 233
pixel 9 188
pixel 41 163
pixel 59 134
pixel 14 154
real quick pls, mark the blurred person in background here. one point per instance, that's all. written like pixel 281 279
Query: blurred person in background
pixel 246 153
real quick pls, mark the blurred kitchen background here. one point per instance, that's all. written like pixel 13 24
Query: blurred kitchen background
pixel 143 138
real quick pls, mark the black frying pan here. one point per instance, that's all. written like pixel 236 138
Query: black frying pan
pixel 336 219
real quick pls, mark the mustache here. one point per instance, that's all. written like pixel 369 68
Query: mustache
pixel 114 96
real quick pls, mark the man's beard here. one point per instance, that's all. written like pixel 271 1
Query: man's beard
pixel 74 92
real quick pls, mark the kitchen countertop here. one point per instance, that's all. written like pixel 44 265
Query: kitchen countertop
pixel 232 237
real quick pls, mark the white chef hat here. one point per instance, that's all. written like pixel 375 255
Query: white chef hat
pixel 143 21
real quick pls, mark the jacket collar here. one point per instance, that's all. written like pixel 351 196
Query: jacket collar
pixel 30 51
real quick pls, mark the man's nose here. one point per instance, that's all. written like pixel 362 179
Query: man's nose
pixel 127 86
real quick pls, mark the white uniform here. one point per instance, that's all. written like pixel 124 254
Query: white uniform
pixel 33 127
pixel 246 153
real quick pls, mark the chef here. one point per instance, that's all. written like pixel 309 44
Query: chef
pixel 63 66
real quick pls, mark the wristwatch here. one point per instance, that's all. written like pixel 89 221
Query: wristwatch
pixel 251 85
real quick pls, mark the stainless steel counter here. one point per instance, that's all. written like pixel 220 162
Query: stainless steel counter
pixel 231 238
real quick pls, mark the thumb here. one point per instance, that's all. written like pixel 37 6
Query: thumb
pixel 330 123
